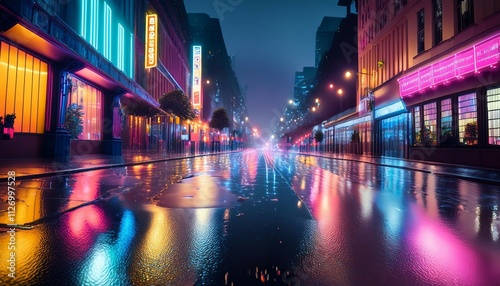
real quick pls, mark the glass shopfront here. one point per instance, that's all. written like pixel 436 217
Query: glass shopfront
pixel 493 106
pixel 23 88
pixel 393 139
pixel 91 99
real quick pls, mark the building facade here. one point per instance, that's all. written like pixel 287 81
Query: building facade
pixel 219 85
pixel 55 59
pixel 324 36
pixel 431 68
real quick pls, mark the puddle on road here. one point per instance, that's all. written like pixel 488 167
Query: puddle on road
pixel 200 191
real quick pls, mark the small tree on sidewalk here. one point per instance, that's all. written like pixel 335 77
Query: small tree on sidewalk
pixel 177 103
pixel 318 136
pixel 219 120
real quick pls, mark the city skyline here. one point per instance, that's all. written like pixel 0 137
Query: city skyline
pixel 255 41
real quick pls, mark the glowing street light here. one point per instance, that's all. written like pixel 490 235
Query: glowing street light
pixel 314 108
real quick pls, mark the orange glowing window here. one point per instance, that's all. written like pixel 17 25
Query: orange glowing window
pixel 23 88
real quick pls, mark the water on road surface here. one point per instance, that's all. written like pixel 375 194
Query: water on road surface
pixel 252 218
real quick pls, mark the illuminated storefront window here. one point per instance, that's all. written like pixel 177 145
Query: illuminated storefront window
pixel 446 122
pixel 493 101
pixel 91 100
pixel 467 119
pixel 416 123
pixel 23 88
pixel 430 124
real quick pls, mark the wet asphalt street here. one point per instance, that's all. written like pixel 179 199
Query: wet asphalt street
pixel 252 218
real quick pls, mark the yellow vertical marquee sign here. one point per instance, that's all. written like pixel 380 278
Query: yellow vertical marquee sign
pixel 151 41
pixel 196 91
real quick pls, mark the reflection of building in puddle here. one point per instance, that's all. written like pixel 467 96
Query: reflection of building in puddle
pixel 26 208
pixel 487 223
pixel 31 255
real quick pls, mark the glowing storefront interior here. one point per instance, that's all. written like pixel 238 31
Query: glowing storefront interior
pixel 23 88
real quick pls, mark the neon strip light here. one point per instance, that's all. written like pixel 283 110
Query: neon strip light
pixel 107 31
pixel 121 39
pixel 485 54
pixel 392 108
pixel 84 19
pixel 131 59
pixel 353 122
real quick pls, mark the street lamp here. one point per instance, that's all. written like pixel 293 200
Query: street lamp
pixel 340 92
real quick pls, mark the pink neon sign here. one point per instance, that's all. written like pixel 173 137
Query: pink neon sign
pixel 473 59
pixel 410 84
pixel 444 70
pixel 487 53
pixel 426 77
pixel 464 62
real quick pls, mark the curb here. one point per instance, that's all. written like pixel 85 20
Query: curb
pixel 107 166
pixel 444 174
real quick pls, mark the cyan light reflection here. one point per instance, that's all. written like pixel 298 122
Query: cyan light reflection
pixel 390 202
pixel 106 262
pixel 392 205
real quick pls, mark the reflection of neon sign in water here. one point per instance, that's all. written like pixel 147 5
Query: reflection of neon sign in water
pixel 440 256
pixel 106 263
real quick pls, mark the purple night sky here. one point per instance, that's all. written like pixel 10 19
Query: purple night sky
pixel 270 40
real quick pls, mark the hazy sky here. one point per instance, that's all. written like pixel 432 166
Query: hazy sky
pixel 270 40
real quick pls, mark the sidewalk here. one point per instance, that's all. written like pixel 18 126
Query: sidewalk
pixel 483 175
pixel 30 168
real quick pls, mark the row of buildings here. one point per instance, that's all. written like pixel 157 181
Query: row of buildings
pixel 109 56
pixel 427 83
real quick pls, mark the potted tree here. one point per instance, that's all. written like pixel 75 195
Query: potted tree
pixel 446 137
pixel 426 139
pixel 470 134
pixel 8 126
pixel 74 120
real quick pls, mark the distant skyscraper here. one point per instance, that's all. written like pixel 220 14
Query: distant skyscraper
pixel 324 36
pixel 303 84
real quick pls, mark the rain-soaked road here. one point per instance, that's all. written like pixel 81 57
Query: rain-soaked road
pixel 253 218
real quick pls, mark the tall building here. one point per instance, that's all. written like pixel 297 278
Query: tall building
pixel 431 68
pixel 324 36
pixel 304 82
pixel 220 85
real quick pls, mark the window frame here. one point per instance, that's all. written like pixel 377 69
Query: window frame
pixel 420 31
